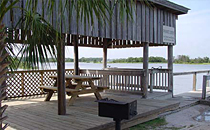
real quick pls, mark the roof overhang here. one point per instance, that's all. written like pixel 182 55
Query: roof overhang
pixel 170 6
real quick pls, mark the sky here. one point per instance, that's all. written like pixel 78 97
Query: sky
pixel 193 36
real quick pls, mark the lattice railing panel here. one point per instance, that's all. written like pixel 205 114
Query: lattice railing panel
pixel 25 83
pixel 31 82
pixel 47 80
pixel 69 72
pixel 14 83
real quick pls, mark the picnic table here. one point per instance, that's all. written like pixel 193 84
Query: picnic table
pixel 75 85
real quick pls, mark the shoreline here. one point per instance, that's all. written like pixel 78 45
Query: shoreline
pixel 142 63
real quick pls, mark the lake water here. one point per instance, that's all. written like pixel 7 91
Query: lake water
pixel 181 83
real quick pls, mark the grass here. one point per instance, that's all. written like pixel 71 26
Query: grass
pixel 150 124
pixel 156 124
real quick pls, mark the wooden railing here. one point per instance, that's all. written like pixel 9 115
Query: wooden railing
pixel 116 79
pixel 25 83
pixel 159 79
pixel 194 73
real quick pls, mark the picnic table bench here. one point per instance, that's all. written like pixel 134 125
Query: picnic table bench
pixel 76 88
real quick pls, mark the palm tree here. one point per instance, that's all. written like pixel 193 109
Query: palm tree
pixel 4 59
pixel 3 71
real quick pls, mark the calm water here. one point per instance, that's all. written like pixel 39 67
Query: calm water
pixel 181 83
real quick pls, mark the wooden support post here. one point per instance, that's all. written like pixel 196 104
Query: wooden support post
pixel 208 85
pixel 194 81
pixel 3 85
pixel 170 67
pixel 146 71
pixel 1 116
pixel 76 56
pixel 205 79
pixel 61 79
pixel 105 53
pixel 151 81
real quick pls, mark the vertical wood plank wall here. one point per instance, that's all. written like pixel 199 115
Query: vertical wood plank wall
pixel 146 25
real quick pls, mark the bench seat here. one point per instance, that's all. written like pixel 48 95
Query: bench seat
pixel 101 88
pixel 73 91
pixel 56 88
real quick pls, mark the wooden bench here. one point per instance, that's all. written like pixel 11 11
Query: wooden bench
pixel 100 88
pixel 50 88
pixel 69 91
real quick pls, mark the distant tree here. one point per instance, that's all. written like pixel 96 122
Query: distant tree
pixel 206 60
pixel 88 60
pixel 69 60
pixel 157 59
pixel 186 59
pixel 182 59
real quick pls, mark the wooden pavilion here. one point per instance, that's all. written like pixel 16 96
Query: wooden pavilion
pixel 151 25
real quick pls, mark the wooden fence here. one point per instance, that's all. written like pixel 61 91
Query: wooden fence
pixel 25 83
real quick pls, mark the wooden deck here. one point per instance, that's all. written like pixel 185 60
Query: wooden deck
pixel 34 113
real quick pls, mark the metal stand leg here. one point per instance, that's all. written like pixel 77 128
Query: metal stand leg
pixel 117 124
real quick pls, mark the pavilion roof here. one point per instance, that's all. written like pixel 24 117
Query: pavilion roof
pixel 147 25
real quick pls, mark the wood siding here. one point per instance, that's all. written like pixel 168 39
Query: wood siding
pixel 146 25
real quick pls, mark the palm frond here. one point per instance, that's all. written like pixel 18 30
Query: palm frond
pixel 40 40
pixel 4 8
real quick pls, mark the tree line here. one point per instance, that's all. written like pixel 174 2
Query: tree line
pixel 184 59
pixel 83 59
pixel 139 60
pixel 180 59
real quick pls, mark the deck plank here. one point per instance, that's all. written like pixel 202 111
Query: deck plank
pixel 34 113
